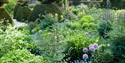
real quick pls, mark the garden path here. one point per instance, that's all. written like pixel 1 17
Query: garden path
pixel 18 24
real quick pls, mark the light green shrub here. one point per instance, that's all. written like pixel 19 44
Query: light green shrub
pixel 86 19
pixel 12 39
pixel 21 56
pixel 74 25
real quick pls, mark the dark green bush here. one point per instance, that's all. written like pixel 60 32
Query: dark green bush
pixel 43 22
pixel 50 47
pixel 117 41
pixel 102 26
pixel 22 13
pixel 5 16
pixel 48 1
pixel 103 54
pixel 44 9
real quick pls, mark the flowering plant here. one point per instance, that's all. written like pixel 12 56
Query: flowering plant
pixel 89 57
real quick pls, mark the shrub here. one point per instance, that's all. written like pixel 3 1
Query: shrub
pixel 12 39
pixel 21 56
pixel 103 54
pixel 74 42
pixel 46 20
pixel 102 26
pixel 48 43
pixel 74 25
pixel 117 41
pixel 86 19
pixel 88 22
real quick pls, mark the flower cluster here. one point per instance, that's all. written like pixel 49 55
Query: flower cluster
pixel 92 48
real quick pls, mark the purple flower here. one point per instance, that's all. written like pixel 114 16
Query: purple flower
pixel 66 21
pixel 32 31
pixel 91 45
pixel 92 48
pixel 88 33
pixel 85 56
pixel 95 45
pixel 85 50
pixel 40 31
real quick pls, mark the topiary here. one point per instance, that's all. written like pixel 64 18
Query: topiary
pixel 3 1
pixel 5 15
pixel 48 1
pixel 44 9
pixel 22 2
pixel 22 13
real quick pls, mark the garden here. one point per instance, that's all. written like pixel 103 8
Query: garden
pixel 59 31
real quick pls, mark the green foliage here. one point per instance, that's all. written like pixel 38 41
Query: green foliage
pixel 48 1
pixel 75 41
pixel 10 7
pixel 102 26
pixel 86 19
pixel 88 22
pixel 22 13
pixel 48 20
pixel 117 41
pixel 89 25
pixel 2 25
pixel 36 29
pixel 44 9
pixel 5 16
pixel 24 30
pixel 52 49
pixel 103 54
pixel 74 25
pixel 75 11
pixel 12 39
pixel 20 56
pixel 4 1
pixel 43 22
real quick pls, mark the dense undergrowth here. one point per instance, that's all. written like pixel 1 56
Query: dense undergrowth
pixel 90 36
